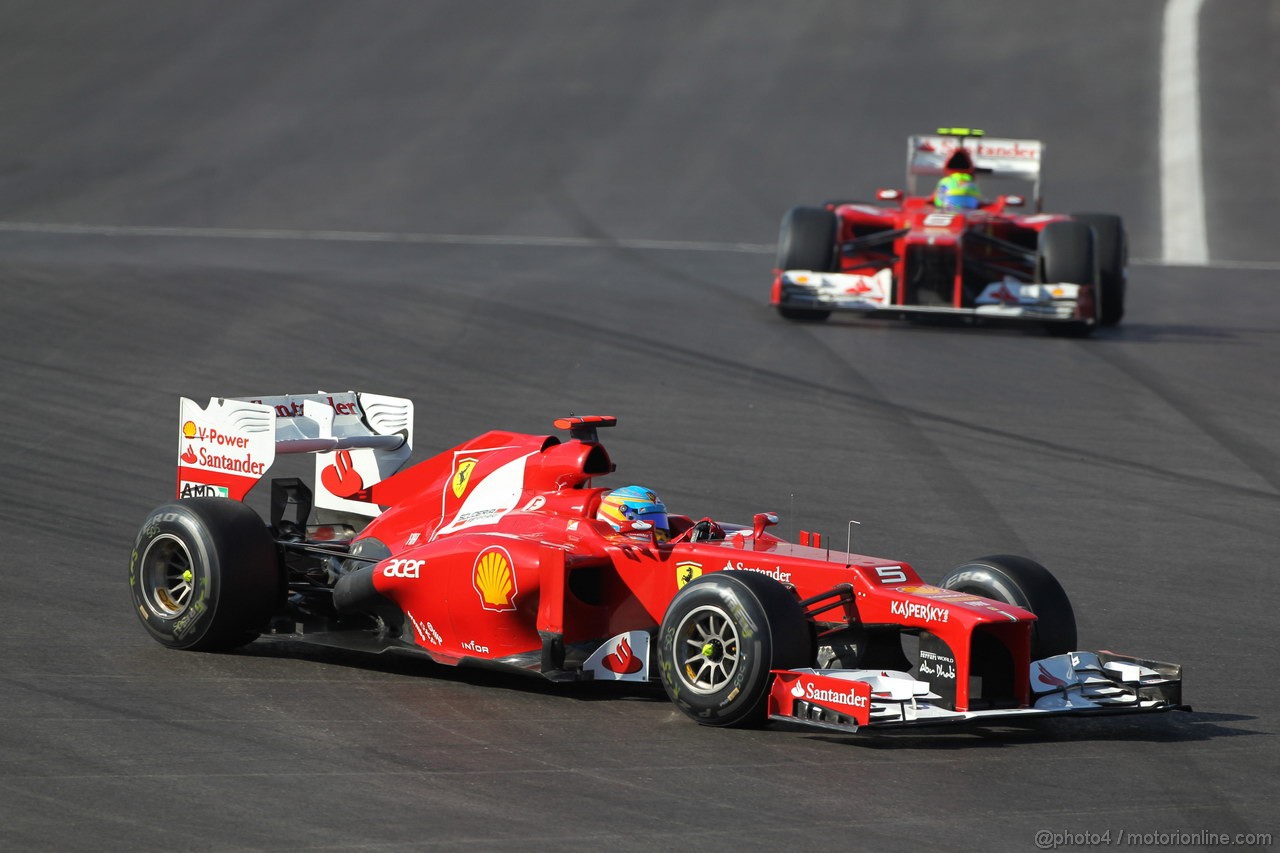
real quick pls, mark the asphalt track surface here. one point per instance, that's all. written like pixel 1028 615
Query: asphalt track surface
pixel 512 211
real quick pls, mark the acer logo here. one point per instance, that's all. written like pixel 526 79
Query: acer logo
pixel 401 568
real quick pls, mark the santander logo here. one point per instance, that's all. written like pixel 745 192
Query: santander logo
pixel 1046 677
pixel 852 697
pixel 622 660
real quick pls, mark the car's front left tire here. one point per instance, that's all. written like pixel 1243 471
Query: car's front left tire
pixel 720 638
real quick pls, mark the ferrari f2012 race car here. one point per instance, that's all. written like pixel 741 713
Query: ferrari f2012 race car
pixel 494 553
pixel 908 254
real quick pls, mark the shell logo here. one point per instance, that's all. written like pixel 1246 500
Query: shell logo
pixel 494 580
pixel 462 475
pixel 189 429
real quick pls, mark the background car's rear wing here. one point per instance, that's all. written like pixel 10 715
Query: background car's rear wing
pixel 359 438
pixel 1000 158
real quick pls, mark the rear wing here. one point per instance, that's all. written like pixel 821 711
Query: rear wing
pixel 1001 158
pixel 359 439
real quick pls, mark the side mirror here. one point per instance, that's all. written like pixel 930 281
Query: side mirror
pixel 761 520
pixel 1014 201
pixel 888 195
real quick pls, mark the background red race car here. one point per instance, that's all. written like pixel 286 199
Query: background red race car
pixel 493 553
pixel 906 254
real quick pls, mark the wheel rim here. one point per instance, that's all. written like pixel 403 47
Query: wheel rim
pixel 707 649
pixel 167 577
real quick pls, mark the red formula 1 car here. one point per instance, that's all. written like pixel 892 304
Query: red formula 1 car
pixel 912 255
pixel 494 552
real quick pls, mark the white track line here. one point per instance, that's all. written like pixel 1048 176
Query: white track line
pixel 514 240
pixel 374 237
pixel 1181 164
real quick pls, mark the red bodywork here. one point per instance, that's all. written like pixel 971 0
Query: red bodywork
pixel 496 552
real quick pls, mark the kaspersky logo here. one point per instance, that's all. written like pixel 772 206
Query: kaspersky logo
pixel 495 580
pixel 462 475
pixel 687 571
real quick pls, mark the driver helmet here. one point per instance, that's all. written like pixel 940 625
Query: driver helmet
pixel 958 191
pixel 622 508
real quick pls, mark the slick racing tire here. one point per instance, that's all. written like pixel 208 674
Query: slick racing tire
pixel 807 241
pixel 1026 584
pixel 719 639
pixel 1066 253
pixel 1112 249
pixel 204 574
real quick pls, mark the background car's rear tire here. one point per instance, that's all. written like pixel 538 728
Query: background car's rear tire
pixel 719 639
pixel 1111 245
pixel 204 574
pixel 1066 253
pixel 1027 584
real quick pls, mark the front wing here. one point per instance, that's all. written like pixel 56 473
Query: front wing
pixel 1074 683
pixel 873 294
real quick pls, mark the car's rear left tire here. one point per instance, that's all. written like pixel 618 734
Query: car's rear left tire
pixel 721 636
pixel 204 574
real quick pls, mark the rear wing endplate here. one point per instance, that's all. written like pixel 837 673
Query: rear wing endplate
pixel 359 439
pixel 1001 158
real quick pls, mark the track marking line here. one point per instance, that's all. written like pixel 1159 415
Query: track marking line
pixel 1181 162
pixel 511 241
pixel 376 237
